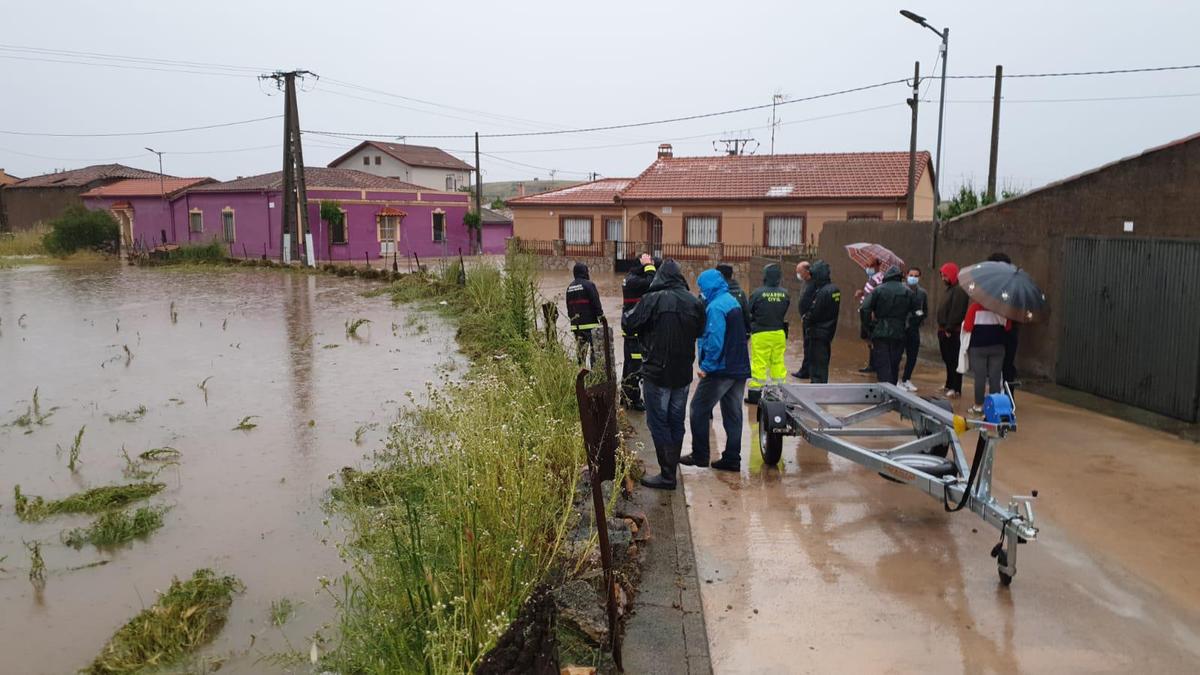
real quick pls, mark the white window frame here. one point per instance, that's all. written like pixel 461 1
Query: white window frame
pixel 433 226
pixel 571 236
pixel 192 213
pixel 387 246
pixel 701 231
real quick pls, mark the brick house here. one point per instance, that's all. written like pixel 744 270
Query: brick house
pixel 26 203
pixel 757 200
pixel 422 165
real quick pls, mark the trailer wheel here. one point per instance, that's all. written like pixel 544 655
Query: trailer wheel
pixel 770 445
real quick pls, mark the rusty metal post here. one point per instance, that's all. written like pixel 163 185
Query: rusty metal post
pixel 598 420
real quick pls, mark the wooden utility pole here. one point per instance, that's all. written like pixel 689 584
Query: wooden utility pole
pixel 478 194
pixel 294 213
pixel 910 205
pixel 991 184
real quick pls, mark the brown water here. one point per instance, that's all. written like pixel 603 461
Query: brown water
pixel 247 503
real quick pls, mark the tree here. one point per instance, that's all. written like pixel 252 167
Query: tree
pixel 498 203
pixel 79 227
pixel 968 199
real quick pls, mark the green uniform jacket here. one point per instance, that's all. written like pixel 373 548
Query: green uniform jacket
pixel 886 310
pixel 769 303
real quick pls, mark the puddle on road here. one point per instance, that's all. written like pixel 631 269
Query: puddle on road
pixel 247 503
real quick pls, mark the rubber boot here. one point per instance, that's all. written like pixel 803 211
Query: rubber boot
pixel 665 480
pixel 690 460
pixel 727 464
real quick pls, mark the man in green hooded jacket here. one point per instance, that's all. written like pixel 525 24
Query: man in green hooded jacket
pixel 884 317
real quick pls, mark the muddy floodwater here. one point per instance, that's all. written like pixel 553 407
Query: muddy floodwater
pixel 266 344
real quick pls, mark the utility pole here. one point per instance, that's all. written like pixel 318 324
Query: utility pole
pixel 910 205
pixel 478 193
pixel 991 184
pixel 294 217
pixel 937 184
pixel 775 100
pixel 162 191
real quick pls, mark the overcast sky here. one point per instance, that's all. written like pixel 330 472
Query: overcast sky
pixel 498 67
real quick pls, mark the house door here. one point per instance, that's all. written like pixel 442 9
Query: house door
pixel 125 220
pixel 655 224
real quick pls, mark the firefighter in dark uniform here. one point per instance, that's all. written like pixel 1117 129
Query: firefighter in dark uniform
pixel 635 285
pixel 584 312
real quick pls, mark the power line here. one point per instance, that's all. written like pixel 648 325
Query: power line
pixel 132 59
pixel 141 133
pixel 1122 71
pixel 612 127
pixel 122 66
pixel 1070 100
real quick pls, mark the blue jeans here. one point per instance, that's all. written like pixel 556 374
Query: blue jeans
pixel 665 412
pixel 709 392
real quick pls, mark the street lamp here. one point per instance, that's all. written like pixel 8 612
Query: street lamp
pixel 944 34
pixel 161 189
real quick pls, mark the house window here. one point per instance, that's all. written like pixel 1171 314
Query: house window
pixel 613 226
pixel 864 215
pixel 337 231
pixel 227 224
pixel 378 160
pixel 387 228
pixel 785 230
pixel 449 181
pixel 439 226
pixel 700 230
pixel 577 230
pixel 195 221
pixel 366 161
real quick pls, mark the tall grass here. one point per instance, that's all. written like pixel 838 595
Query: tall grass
pixel 468 508
pixel 26 242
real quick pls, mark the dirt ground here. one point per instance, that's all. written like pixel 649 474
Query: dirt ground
pixel 822 566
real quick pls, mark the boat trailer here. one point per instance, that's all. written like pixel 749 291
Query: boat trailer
pixel 932 459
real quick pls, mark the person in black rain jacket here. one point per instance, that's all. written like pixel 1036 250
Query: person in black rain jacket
pixel 635 285
pixel 820 322
pixel 584 312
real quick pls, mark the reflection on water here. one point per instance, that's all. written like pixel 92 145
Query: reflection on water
pixel 271 345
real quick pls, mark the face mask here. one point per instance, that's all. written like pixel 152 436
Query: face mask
pixel 799 278
pixel 870 271
pixel 913 281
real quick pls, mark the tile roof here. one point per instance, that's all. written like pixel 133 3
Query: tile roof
pixel 494 217
pixel 412 155
pixel 144 187
pixel 315 178
pixel 601 192
pixel 84 176
pixel 7 178
pixel 843 175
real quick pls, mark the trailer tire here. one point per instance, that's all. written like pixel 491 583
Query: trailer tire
pixel 770 445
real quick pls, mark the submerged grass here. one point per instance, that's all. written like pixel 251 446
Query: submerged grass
pixel 470 505
pixel 117 527
pixel 95 500
pixel 282 611
pixel 186 617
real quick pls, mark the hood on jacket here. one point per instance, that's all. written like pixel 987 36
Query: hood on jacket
pixel 771 275
pixel 893 274
pixel 668 276
pixel 726 271
pixel 950 271
pixel 712 284
pixel 580 271
pixel 820 272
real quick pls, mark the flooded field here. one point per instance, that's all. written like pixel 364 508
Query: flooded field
pixel 144 359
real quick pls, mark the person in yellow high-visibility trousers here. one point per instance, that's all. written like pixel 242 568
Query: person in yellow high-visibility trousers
pixel 768 333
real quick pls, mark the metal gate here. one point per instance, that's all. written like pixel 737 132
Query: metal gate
pixel 1131 322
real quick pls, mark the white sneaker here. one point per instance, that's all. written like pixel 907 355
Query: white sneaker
pixel 975 410
pixel 907 385
pixel 950 393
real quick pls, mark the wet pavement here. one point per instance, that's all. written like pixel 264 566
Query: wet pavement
pixel 247 503
pixel 822 566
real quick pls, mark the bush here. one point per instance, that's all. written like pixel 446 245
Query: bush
pixel 79 227
pixel 190 253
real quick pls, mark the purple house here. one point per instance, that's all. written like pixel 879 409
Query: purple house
pixel 382 216
pixel 142 206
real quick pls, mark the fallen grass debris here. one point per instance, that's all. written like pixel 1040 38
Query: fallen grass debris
pixel 130 416
pixel 352 326
pixel 37 566
pixel 246 424
pixel 161 454
pixel 186 617
pixel 203 386
pixel 117 527
pixel 95 500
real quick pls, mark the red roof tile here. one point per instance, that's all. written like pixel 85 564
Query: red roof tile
pixel 847 175
pixel 144 187
pixel 315 178
pixel 412 155
pixel 601 192
pixel 82 177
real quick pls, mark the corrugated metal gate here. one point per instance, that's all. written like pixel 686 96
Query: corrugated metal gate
pixel 1131 322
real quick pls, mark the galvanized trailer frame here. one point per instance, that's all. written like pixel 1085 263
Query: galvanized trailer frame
pixel 800 409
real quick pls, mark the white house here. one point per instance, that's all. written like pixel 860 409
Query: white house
pixel 418 164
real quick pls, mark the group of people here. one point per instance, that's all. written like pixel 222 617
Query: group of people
pixel 726 340
pixel 722 337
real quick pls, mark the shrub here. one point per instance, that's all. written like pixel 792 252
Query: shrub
pixel 79 227
pixel 190 253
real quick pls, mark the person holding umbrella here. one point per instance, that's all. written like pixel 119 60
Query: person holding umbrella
pixel 1001 293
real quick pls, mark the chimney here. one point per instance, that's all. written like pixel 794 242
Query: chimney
pixel 520 189
pixel 665 151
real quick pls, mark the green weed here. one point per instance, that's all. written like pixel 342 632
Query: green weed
pixel 282 610
pixel 130 416
pixel 73 459
pixel 159 454
pixel 26 242
pixel 37 566
pixel 352 326
pixel 246 424
pixel 203 386
pixel 117 527
pixel 186 617
pixel 95 500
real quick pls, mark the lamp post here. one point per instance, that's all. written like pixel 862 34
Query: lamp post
pixel 162 193
pixel 162 190
pixel 944 34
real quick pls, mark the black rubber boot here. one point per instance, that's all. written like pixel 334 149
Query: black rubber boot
pixel 725 464
pixel 690 460
pixel 658 482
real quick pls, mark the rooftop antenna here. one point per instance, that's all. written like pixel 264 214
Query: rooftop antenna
pixel 778 98
pixel 735 146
